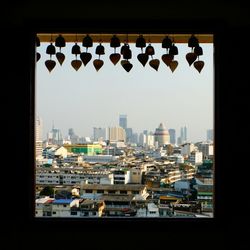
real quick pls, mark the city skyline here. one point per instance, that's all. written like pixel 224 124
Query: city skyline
pixel 85 99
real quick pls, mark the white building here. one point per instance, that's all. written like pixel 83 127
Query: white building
pixel 186 149
pixel 62 207
pixel 152 210
pixel 195 158
pixel 206 148
pixel 40 205
pixel 121 176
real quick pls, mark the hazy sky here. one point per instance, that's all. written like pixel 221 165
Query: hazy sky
pixel 85 98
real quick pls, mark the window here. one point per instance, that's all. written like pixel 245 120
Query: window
pixel 116 108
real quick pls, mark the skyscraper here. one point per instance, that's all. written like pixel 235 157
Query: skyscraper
pixel 172 135
pixel 38 137
pixel 99 133
pixel 183 137
pixel 123 121
pixel 210 135
pixel 116 134
pixel 38 127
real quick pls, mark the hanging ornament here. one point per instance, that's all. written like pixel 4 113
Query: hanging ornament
pixel 38 55
pixel 199 65
pixel 193 41
pixel 76 64
pixel 196 50
pixel 60 42
pixel 168 57
pixel 114 43
pixel 51 50
pixel 173 65
pixel 87 42
pixel 154 63
pixel 142 57
pixel 166 43
pixel 127 54
pixel 98 63
pixel 191 57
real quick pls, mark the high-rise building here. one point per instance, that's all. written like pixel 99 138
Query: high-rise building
pixel 38 137
pixel 183 137
pixel 172 135
pixel 123 121
pixel 38 127
pixel 210 135
pixel 116 134
pixel 55 136
pixel 72 136
pixel 161 135
pixel 99 133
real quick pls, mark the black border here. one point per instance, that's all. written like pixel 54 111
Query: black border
pixel 131 26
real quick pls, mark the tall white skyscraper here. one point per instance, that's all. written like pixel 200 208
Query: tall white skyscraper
pixel 38 137
pixel 183 137
pixel 38 128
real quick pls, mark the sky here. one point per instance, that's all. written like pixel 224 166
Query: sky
pixel 86 98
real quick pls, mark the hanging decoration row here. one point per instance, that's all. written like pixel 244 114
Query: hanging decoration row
pixel 125 51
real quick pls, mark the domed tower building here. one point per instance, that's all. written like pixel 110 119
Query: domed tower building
pixel 161 135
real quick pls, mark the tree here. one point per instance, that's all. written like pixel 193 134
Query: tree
pixel 47 191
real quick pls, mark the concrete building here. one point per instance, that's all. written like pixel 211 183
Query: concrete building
pixel 62 207
pixel 195 158
pixel 123 121
pixel 161 135
pixel 99 134
pixel 186 149
pixel 116 134
pixel 38 137
pixel 172 135
pixel 86 149
pixel 207 149
pixel 210 135
pixel 121 176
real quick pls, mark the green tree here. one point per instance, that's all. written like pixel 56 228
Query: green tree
pixel 47 191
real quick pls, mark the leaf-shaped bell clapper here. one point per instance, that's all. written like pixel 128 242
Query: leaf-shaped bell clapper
pixel 37 41
pixel 38 56
pixel 115 42
pixel 199 65
pixel 87 41
pixel 51 49
pixel 99 50
pixel 150 50
pixel 50 64
pixel 60 41
pixel 173 65
pixel 173 50
pixel 126 65
pixel 191 57
pixel 142 58
pixel 76 49
pixel 154 63
pixel 166 43
pixel 198 51
pixel 140 42
pixel 193 41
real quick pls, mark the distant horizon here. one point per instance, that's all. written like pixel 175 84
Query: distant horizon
pixel 85 98
pixel 178 133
